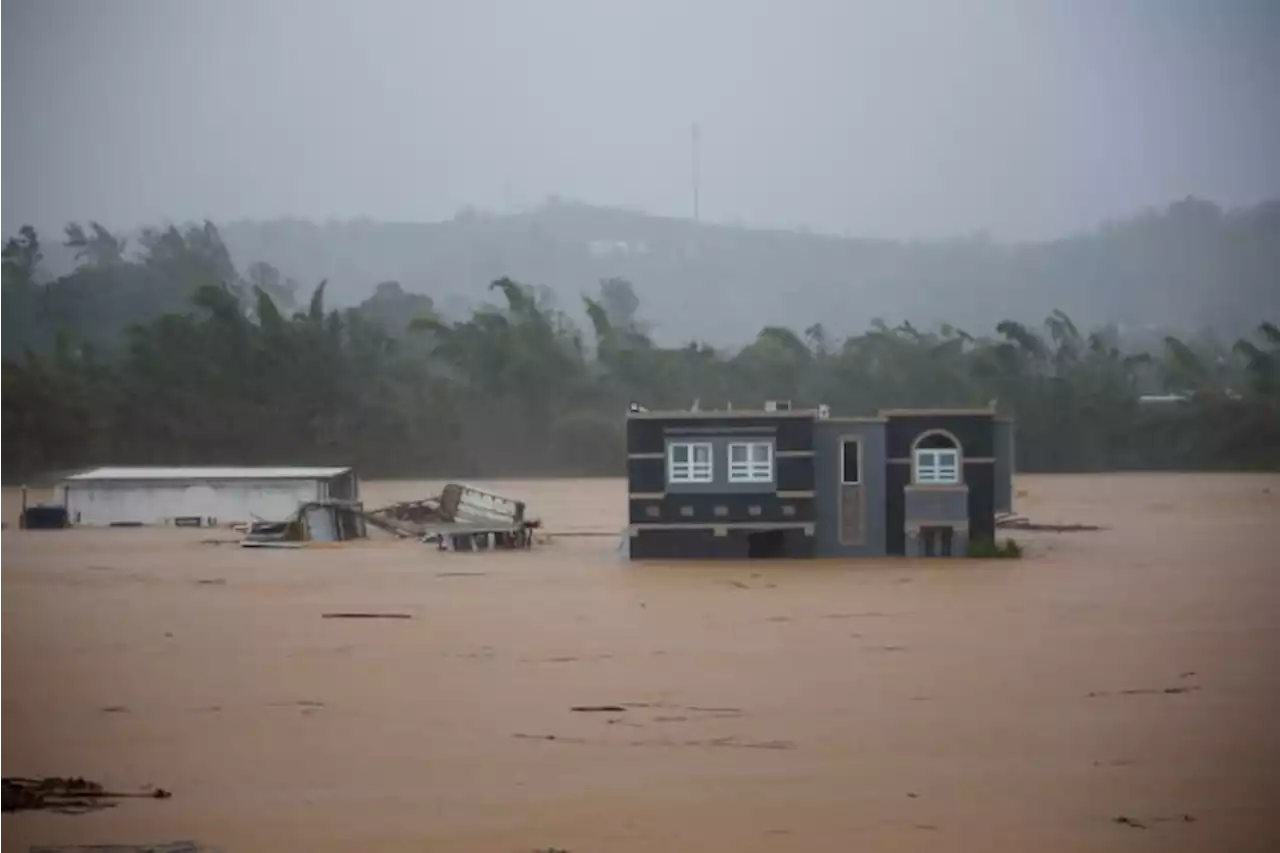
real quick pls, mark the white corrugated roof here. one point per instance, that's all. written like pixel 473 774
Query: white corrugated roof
pixel 208 473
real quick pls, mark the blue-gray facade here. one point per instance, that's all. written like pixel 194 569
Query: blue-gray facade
pixel 851 518
pixel 906 482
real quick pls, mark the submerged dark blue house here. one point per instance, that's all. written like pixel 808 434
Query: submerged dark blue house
pixel 777 482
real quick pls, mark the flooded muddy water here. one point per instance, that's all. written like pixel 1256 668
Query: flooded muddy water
pixel 883 705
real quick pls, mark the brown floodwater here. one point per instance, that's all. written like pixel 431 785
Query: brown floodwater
pixel 881 705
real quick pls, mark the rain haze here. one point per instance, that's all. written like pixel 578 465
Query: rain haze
pixel 736 426
pixel 886 119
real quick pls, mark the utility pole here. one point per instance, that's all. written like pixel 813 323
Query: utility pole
pixel 695 141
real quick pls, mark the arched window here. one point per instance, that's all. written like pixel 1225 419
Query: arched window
pixel 935 459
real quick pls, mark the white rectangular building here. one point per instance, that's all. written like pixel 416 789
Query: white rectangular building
pixel 128 496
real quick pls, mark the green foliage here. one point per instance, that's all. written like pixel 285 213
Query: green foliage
pixel 990 549
pixel 174 357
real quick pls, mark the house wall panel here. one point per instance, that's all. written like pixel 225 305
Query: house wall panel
pixel 981 479
pixel 681 508
pixel 141 502
pixel 974 432
pixel 705 544
pixel 1004 466
pixel 647 475
pixel 937 504
pixel 838 536
pixel 647 434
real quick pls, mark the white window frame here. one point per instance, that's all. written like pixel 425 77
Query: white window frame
pixel 752 469
pixel 691 470
pixel 941 469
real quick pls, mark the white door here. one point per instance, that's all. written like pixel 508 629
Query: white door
pixel 320 524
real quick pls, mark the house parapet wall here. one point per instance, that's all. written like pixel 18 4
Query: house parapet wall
pixel 946 505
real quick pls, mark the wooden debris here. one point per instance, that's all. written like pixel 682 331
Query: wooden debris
pixel 1019 522
pixel 762 744
pixel 163 847
pixel 357 615
pixel 1144 691
pixel 555 738
pixel 595 708
pixel 407 517
pixel 704 709
pixel 460 518
pixel 65 795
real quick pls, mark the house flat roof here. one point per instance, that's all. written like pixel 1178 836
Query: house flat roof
pixel 882 415
pixel 207 473
pixel 899 413
pixel 720 413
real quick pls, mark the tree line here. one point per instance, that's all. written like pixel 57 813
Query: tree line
pixel 173 356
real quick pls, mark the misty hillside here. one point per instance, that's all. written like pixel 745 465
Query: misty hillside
pixel 1188 266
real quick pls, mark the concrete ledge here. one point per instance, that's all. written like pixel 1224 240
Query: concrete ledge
pixel 722 529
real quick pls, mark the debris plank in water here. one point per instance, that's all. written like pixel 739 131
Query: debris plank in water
pixel 367 616
pixel 605 708
pixel 67 795
pixel 163 847
pixel 1020 522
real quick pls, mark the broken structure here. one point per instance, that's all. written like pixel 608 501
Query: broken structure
pixel 313 521
pixel 461 518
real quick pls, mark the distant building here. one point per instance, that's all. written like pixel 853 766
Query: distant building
pixel 782 483
pixel 123 496
pixel 609 248
pixel 1163 399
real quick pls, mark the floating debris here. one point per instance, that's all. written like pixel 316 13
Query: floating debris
pixel 66 795
pixel 759 744
pixel 1144 691
pixel 555 738
pixel 356 615
pixel 1019 522
pixel 460 518
pixel 598 708
pixel 161 847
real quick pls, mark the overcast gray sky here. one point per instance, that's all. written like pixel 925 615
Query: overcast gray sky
pixel 899 118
